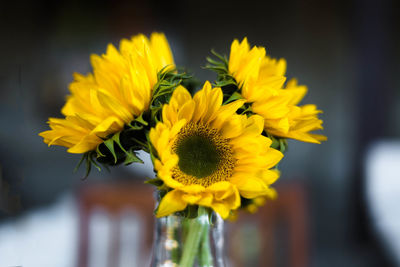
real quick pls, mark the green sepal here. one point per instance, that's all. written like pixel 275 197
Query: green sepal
pixel 283 145
pixel 190 212
pixel 223 59
pixel 135 126
pixel 275 143
pixel 219 66
pixel 245 110
pixel 212 61
pixel 109 143
pixel 216 68
pixel 130 155
pixel 233 97
pixel 99 153
pixel 152 150
pixel 278 143
pixel 89 159
pixel 155 181
pixel 131 158
pixel 139 123
pixel 141 120
pixel 83 158
pixel 224 82
pixel 167 81
pixel 160 194
pixel 211 216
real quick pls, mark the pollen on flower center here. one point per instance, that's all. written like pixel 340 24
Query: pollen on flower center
pixel 205 157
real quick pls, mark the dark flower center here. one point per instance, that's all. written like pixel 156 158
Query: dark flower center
pixel 198 156
pixel 205 157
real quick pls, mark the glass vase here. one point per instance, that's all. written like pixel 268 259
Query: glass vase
pixel 188 242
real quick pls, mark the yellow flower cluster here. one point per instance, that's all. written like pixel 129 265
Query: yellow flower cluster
pixel 206 151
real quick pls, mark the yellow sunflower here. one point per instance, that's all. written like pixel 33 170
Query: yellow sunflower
pixel 118 91
pixel 210 156
pixel 262 80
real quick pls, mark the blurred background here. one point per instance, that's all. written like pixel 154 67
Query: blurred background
pixel 346 52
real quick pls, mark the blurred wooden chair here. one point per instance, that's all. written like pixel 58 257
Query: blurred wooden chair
pixel 277 235
pixel 114 199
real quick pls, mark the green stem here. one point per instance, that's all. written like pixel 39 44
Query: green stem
pixel 196 230
pixel 206 258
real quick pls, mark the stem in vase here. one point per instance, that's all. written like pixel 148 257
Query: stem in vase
pixel 196 232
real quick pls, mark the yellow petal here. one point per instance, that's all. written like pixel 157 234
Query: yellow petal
pixel 191 198
pixel 170 203
pixel 234 127
pixel 86 144
pixel 269 176
pixel 193 189
pixel 109 125
pixel 206 199
pixel 214 102
pixel 249 186
pixel 222 209
pixel 225 112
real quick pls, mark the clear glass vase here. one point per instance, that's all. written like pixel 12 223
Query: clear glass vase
pixel 186 242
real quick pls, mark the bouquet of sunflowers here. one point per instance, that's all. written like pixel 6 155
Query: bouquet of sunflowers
pixel 213 148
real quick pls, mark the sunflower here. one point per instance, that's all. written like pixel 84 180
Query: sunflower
pixel 262 83
pixel 118 91
pixel 208 155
